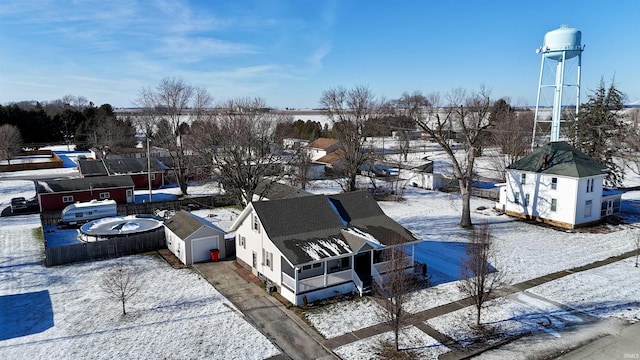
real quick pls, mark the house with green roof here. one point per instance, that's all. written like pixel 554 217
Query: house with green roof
pixel 314 247
pixel 560 185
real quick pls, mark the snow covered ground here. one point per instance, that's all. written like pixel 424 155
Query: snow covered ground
pixel 61 312
pixel 525 251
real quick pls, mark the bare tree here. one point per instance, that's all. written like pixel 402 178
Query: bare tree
pixel 479 278
pixel 509 133
pixel 10 141
pixel 466 117
pixel 173 102
pixel 301 164
pixel 349 110
pixel 394 287
pixel 238 142
pixel 121 282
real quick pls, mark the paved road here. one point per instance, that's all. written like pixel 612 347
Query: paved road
pixel 624 345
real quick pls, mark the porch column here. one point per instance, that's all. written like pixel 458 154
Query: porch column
pixel 324 265
pixel 413 251
pixel 295 276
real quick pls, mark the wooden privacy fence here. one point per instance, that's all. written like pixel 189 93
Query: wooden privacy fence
pixel 192 203
pixel 50 218
pixel 104 249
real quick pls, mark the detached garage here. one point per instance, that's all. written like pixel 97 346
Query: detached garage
pixel 191 238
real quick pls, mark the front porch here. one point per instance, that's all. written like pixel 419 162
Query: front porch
pixel 329 277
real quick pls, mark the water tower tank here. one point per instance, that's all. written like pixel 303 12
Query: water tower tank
pixel 564 39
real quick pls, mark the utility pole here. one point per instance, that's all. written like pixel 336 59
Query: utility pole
pixel 149 167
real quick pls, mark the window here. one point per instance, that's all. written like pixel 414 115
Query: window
pixel 268 259
pixel 554 204
pixel 242 242
pixel 256 224
pixel 104 195
pixel 153 176
pixel 67 199
pixel 526 200
pixel 587 208
pixel 590 185
pixel 516 198
pixel 317 265
pixel 306 267
pixel 523 179
pixel 554 183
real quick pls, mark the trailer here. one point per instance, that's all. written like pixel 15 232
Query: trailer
pixel 82 212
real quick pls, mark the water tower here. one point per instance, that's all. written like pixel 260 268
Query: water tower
pixel 559 71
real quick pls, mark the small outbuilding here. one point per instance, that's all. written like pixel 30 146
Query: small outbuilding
pixel 193 239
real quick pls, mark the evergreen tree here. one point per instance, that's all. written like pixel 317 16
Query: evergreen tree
pixel 599 129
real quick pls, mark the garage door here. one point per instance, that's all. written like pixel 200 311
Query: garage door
pixel 200 248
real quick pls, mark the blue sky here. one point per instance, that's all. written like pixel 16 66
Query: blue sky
pixel 289 52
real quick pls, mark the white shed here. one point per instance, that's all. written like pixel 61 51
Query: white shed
pixel 192 238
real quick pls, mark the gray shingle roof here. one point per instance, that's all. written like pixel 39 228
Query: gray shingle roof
pixel 130 166
pixel 311 228
pixel 95 183
pixel 184 224
pixel 92 168
pixel 274 190
pixel 559 158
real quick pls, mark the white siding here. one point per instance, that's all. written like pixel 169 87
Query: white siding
pixel 570 194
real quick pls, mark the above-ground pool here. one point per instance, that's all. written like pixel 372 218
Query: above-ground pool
pixel 120 226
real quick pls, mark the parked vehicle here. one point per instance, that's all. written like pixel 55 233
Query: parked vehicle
pixel 86 211
pixel 377 170
pixel 18 204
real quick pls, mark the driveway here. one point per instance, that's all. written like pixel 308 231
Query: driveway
pixel 284 328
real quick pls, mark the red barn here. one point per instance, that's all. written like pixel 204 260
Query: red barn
pixel 57 194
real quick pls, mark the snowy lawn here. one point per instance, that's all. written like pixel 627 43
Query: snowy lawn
pixel 61 312
pixel 592 292
pixel 337 319
pixel 411 338
pixel 505 318
pixel 525 251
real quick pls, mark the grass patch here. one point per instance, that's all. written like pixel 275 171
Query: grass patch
pixel 38 234
pixel 387 350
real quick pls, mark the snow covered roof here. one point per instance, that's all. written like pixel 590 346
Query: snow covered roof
pixel 559 158
pixel 131 166
pixel 183 224
pixel 311 228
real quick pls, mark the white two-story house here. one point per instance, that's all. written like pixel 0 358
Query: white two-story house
pixel 315 247
pixel 559 185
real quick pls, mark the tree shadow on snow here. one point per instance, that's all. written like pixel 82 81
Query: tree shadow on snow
pixel 443 260
pixel 25 314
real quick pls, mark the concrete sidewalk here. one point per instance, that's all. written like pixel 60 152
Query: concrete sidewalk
pixel 284 329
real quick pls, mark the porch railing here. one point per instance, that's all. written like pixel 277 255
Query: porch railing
pixel 317 282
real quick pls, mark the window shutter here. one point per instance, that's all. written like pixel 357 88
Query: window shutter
pixel 271 261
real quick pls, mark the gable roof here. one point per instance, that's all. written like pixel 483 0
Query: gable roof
pixel 183 224
pixel 321 226
pixel 273 190
pixel 332 157
pixel 559 158
pixel 130 166
pixel 95 183
pixel 92 168
pixel 322 143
